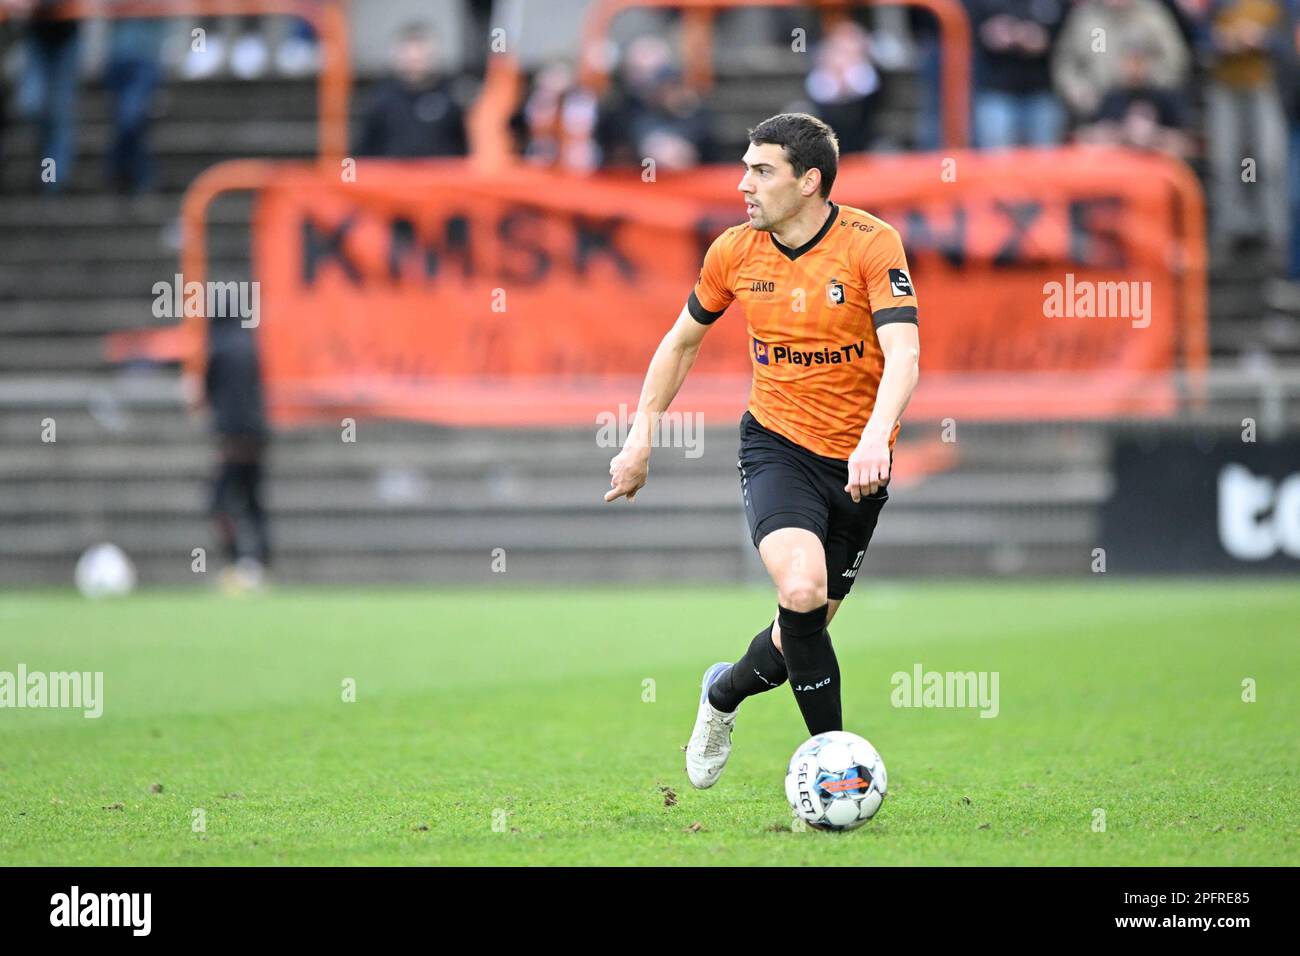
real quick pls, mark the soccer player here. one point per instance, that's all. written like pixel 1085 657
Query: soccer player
pixel 832 321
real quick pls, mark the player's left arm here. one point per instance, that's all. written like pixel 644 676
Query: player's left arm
pixel 869 463
pixel 894 313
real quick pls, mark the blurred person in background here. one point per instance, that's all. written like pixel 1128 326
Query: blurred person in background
pixel 1139 113
pixel 561 120
pixel 673 127
pixel 1292 86
pixel 233 389
pixel 414 112
pixel 642 59
pixel 1249 46
pixel 653 113
pixel 245 46
pixel 927 127
pixel 1014 101
pixel 10 11
pixel 131 76
pixel 1087 63
pixel 842 84
pixel 47 92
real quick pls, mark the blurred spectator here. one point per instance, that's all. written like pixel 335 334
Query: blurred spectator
pixel 1138 113
pixel 246 47
pixel 298 54
pixel 644 57
pixel 561 121
pixel 131 76
pixel 927 126
pixel 415 112
pixel 673 128
pixel 1249 42
pixel 478 32
pixel 654 114
pixel 1087 63
pixel 206 56
pixel 842 82
pixel 1292 86
pixel 1014 101
pixel 48 90
pixel 10 10
pixel 233 389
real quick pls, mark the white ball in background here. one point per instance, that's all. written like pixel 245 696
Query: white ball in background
pixel 104 570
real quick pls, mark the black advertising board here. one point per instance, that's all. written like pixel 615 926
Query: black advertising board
pixel 1203 503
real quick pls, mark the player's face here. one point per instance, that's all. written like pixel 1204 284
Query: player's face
pixel 772 192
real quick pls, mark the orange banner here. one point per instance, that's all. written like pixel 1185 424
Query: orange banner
pixel 1051 284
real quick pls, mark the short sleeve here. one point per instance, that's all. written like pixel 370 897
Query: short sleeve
pixel 889 281
pixel 712 293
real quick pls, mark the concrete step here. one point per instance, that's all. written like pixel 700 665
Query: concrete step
pixel 248 135
pixel 100 280
pixel 525 567
pixel 522 567
pixel 41 352
pixel 144 246
pixel 217 99
pixel 406 492
pixel 557 529
pixel 98 456
pixel 57 317
pixel 34 214
pixel 398 533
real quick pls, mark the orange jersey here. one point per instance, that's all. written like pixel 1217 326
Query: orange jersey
pixel 812 315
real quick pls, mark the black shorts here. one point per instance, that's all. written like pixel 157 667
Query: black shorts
pixel 787 486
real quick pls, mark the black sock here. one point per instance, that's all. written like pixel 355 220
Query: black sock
pixel 761 668
pixel 814 671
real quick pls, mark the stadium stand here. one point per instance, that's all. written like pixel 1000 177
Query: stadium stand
pixel 417 502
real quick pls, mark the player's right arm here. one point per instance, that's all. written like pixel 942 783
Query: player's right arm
pixel 672 361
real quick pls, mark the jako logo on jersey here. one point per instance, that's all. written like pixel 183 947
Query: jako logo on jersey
pixel 835 292
pixel 899 283
pixel 776 354
pixel 759 285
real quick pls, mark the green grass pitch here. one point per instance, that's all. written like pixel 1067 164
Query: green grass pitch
pixel 514 725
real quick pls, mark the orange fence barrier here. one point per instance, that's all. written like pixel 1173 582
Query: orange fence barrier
pixel 1052 283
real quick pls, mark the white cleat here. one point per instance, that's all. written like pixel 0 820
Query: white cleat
pixel 710 743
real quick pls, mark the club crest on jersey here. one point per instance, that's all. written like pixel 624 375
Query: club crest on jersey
pixel 899 283
pixel 835 292
pixel 760 352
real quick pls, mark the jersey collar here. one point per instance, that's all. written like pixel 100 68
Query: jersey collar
pixel 793 254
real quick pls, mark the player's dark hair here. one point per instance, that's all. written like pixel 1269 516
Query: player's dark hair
pixel 809 144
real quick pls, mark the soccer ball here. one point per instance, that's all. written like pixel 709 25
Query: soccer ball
pixel 104 570
pixel 836 781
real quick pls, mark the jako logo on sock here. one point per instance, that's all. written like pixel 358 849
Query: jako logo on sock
pixel 817 686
